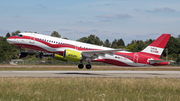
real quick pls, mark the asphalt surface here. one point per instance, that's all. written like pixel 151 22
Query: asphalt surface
pixel 92 74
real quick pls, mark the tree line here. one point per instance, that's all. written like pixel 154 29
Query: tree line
pixel 8 51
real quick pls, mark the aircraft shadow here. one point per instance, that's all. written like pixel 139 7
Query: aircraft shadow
pixel 81 74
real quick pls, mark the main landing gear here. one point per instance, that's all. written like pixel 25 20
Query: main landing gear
pixel 88 66
pixel 81 66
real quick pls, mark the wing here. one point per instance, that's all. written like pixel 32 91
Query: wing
pixel 95 53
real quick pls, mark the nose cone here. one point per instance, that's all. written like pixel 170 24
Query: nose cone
pixel 10 40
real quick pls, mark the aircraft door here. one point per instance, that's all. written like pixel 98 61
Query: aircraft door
pixel 136 58
pixel 32 38
pixel 76 46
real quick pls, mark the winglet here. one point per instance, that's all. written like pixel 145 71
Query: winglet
pixel 130 46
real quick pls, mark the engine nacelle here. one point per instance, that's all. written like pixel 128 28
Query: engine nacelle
pixel 72 55
pixel 58 57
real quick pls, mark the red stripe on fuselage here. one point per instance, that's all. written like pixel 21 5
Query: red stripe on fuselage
pixel 38 48
pixel 52 45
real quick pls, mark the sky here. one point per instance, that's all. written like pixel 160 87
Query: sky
pixel 107 19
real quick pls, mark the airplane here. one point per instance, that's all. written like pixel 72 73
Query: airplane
pixel 68 50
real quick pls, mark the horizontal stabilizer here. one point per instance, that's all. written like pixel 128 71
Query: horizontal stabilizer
pixel 158 61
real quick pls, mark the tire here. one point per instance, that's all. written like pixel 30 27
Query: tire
pixel 88 66
pixel 80 66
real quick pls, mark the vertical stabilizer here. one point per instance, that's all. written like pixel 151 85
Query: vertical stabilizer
pixel 156 48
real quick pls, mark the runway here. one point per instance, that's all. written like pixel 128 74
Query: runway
pixel 92 74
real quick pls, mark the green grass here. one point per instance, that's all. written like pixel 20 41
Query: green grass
pixel 89 89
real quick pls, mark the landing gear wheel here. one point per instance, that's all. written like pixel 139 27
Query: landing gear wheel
pixel 80 66
pixel 88 66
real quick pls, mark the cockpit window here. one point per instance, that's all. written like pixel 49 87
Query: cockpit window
pixel 20 35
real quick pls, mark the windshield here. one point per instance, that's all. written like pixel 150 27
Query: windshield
pixel 20 35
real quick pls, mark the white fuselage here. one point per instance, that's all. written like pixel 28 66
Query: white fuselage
pixel 58 45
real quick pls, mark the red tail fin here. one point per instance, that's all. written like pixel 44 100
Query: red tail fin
pixel 156 48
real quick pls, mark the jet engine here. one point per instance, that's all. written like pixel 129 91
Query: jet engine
pixel 58 57
pixel 72 55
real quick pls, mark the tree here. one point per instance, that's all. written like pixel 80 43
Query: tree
pixel 65 38
pixel 15 33
pixel 83 39
pixel 92 39
pixel 56 34
pixel 7 51
pixel 8 35
pixel 120 42
pixel 173 47
pixel 139 46
pixel 107 43
pixel 114 44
